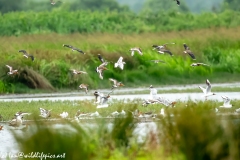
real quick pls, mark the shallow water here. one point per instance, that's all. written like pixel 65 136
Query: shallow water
pixel 170 96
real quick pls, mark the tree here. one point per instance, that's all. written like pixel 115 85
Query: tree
pixel 10 5
pixel 232 4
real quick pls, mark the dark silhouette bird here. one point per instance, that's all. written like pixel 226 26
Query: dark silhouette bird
pixel 178 2
pixel 188 51
pixel 73 48
pixel 25 54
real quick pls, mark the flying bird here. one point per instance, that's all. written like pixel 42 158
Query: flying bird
pixel 178 2
pixel 207 91
pixel 20 113
pixel 45 113
pixel 198 64
pixel 101 98
pixel 74 71
pixel 84 86
pixel 188 51
pixel 116 83
pixel 120 63
pixel 11 71
pixel 226 102
pixel 25 54
pixel 136 49
pixel 101 68
pixel 162 48
pixel 73 48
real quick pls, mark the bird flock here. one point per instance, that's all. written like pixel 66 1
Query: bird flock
pixel 102 99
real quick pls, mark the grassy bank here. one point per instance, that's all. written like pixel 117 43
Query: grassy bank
pixel 195 132
pixel 218 47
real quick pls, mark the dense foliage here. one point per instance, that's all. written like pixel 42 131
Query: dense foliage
pixel 19 23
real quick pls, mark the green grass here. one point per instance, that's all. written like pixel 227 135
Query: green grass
pixel 53 61
pixel 8 109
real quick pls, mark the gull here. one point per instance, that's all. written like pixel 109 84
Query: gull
pixel 116 83
pixel 198 64
pixel 207 91
pixel 178 2
pixel 74 71
pixel 101 99
pixel 25 54
pixel 16 122
pixel 188 51
pixel 45 113
pixel 54 2
pixel 84 86
pixel 100 69
pixel 119 63
pixel 64 115
pixel 73 48
pixel 11 71
pixel 157 61
pixel 137 50
pixel 153 92
pixel 226 102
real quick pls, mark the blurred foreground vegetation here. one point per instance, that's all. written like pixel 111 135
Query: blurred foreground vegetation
pixel 186 133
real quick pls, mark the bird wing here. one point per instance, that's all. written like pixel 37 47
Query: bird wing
pixel 100 58
pixel 32 57
pixel 190 53
pixel 203 89
pixel 132 52
pixel 120 60
pixel 209 87
pixel 10 68
pixel 113 80
pixel 23 51
pixel 79 50
pixel 166 51
pixel 100 74
pixel 139 51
